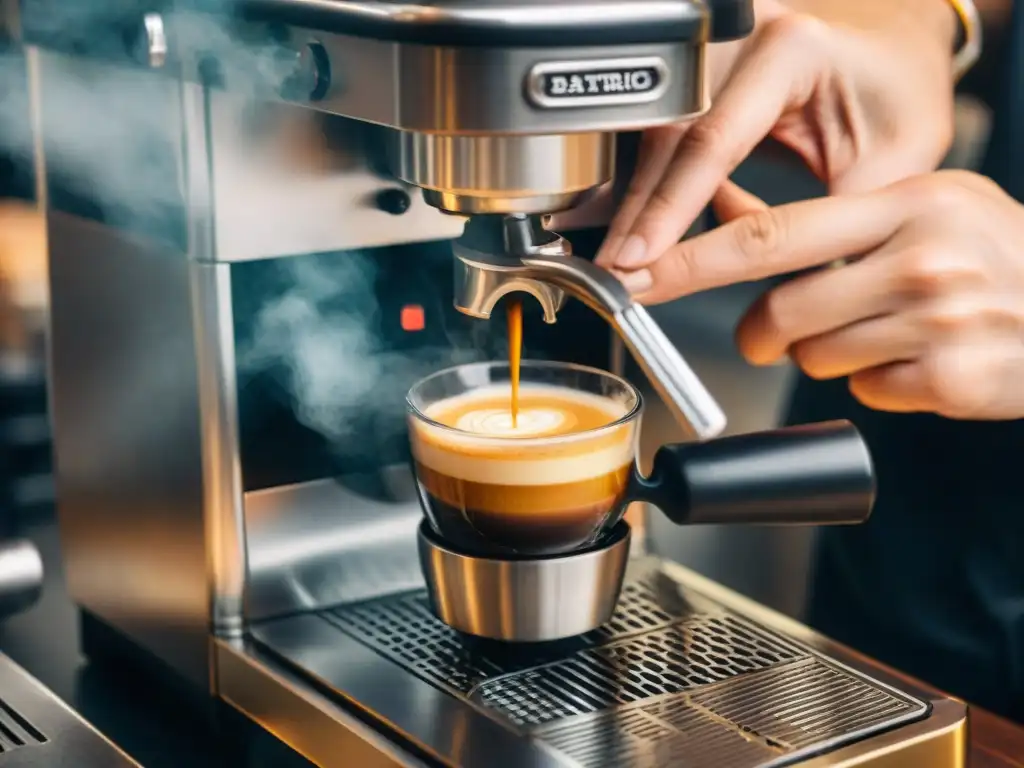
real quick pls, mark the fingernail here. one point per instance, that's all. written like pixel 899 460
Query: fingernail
pixel 632 253
pixel 637 282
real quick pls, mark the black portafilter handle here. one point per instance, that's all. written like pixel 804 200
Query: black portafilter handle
pixel 819 474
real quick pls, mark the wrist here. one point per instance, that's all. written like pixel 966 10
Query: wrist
pixel 954 26
pixel 937 19
pixel 944 21
pixel 948 24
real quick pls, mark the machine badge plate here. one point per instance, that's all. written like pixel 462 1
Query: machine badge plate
pixel 597 83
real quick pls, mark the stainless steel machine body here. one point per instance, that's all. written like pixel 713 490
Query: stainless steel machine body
pixel 201 148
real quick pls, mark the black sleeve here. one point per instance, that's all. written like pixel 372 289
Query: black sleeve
pixel 1004 162
pixel 17 169
pixel 1002 39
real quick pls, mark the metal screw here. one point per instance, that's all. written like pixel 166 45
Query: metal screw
pixel 156 40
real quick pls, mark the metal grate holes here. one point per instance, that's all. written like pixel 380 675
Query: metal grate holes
pixel 702 650
pixel 405 630
pixel 640 610
pixel 803 704
pixel 659 680
pixel 692 653
pixel 634 739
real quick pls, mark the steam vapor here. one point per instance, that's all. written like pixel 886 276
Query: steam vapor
pixel 100 124
pixel 320 331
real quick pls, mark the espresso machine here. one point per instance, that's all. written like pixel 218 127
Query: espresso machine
pixel 191 154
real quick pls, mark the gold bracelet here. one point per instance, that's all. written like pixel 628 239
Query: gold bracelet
pixel 970 51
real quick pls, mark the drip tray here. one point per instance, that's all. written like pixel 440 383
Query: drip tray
pixel 672 676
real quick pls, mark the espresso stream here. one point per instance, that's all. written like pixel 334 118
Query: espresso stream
pixel 515 353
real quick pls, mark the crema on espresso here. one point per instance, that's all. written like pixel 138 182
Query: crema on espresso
pixel 542 484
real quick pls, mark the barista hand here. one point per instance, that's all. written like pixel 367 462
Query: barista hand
pixel 929 316
pixel 862 91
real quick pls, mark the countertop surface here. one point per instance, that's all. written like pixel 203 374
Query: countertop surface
pixel 995 743
pixel 44 640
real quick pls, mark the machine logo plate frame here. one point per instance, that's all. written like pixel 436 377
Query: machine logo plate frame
pixel 597 82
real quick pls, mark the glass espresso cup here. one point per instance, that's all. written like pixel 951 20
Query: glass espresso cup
pixel 549 485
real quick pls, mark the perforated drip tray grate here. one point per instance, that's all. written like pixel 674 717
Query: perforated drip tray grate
pixel 769 718
pixel 404 629
pixel 669 676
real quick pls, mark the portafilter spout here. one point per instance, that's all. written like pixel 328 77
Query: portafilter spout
pixel 497 255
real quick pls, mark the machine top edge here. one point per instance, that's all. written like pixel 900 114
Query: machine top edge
pixel 509 23
pixel 443 23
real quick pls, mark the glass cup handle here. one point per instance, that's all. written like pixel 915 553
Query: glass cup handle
pixel 819 474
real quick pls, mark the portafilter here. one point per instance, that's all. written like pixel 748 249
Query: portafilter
pixel 498 255
pixel 524 538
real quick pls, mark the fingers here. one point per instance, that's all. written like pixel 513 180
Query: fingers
pixel 859 347
pixel 656 150
pixel 773 74
pixel 898 388
pixel 773 241
pixel 959 357
pixel 883 167
pixel 970 368
pixel 940 382
pixel 816 304
pixel 732 201
pixel 971 379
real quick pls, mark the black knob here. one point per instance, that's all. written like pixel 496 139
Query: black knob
pixel 321 64
pixel 394 201
pixel 306 72
pixel 731 19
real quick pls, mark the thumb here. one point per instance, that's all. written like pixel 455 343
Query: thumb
pixel 732 201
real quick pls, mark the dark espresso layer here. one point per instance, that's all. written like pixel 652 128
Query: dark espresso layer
pixel 528 519
pixel 483 533
pixel 525 501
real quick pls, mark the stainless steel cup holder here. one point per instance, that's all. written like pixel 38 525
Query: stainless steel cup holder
pixel 525 600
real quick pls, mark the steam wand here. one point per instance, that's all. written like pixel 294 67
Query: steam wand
pixel 497 255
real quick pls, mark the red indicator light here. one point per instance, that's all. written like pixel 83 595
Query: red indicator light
pixel 413 318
